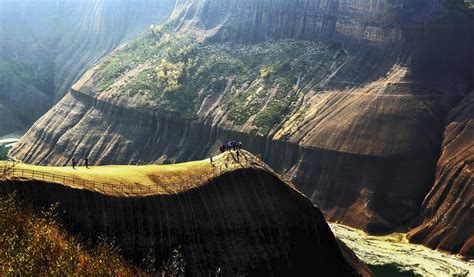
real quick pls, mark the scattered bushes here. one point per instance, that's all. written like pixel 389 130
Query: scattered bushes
pixel 175 73
pixel 34 244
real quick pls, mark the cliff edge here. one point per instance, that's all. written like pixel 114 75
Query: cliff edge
pixel 244 220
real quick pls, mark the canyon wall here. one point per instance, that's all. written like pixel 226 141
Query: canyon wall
pixel 448 209
pixel 362 141
pixel 242 222
pixel 46 46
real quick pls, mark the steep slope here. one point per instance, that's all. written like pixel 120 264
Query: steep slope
pixel 33 244
pixel 10 122
pixel 46 46
pixel 448 209
pixel 348 99
pixel 243 219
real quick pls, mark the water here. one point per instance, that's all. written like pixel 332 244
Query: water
pixel 392 255
pixel 10 140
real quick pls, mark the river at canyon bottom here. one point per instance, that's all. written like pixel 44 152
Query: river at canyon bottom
pixel 393 255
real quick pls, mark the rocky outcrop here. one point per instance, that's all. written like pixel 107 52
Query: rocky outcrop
pixel 448 209
pixel 46 46
pixel 362 138
pixel 245 221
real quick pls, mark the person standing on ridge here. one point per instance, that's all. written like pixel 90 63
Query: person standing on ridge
pixel 73 164
pixel 87 163
pixel 238 155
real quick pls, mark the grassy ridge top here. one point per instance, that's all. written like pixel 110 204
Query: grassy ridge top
pixel 147 179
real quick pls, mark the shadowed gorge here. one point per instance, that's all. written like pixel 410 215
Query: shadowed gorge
pixel 366 106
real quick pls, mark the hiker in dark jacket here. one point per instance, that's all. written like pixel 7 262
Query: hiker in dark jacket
pixel 73 164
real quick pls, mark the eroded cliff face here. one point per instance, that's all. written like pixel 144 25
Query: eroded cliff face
pixel 46 46
pixel 448 209
pixel 246 221
pixel 361 136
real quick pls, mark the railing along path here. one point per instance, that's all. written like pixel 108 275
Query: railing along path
pixel 176 184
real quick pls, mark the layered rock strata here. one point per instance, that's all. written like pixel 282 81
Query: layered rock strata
pixel 448 209
pixel 362 139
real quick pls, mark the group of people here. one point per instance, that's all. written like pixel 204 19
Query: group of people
pixel 230 145
pixel 74 163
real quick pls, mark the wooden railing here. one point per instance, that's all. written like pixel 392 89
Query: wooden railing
pixel 173 184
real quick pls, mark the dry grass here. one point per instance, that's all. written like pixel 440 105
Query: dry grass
pixel 160 177
pixel 35 245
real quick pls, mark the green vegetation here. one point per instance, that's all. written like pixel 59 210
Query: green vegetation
pixel 175 73
pixel 3 153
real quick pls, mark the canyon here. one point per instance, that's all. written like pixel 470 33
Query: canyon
pixel 38 63
pixel 376 126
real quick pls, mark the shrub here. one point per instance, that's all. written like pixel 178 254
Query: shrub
pixel 34 245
